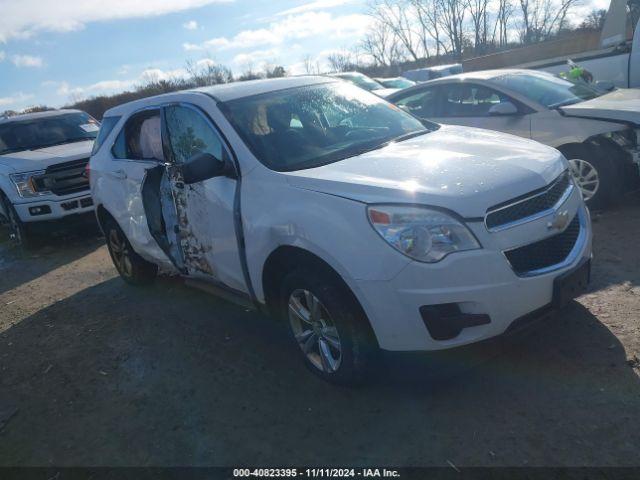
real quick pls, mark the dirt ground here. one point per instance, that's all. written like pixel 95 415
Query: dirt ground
pixel 95 372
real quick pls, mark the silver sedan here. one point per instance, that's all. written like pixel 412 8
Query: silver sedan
pixel 597 132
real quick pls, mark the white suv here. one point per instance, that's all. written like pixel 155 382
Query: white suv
pixel 43 158
pixel 324 205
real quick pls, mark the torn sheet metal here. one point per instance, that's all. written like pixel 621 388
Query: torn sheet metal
pixel 193 251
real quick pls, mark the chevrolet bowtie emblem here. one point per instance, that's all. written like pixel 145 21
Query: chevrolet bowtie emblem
pixel 560 221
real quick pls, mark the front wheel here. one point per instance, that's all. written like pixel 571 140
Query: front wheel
pixel 593 174
pixel 18 231
pixel 328 327
pixel 132 267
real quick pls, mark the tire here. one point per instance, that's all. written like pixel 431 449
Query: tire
pixel 337 344
pixel 588 166
pixel 133 269
pixel 18 230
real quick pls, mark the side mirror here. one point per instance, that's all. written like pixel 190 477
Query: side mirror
pixel 203 166
pixel 503 108
pixel 605 85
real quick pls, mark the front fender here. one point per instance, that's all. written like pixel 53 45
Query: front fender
pixel 8 190
pixel 333 228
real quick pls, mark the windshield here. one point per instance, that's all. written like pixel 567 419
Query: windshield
pixel 547 90
pixel 362 81
pixel 397 83
pixel 306 127
pixel 20 135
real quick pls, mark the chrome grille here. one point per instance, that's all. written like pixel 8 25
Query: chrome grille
pixel 528 205
pixel 64 178
pixel 545 253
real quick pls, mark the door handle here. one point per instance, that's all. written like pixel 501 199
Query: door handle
pixel 119 174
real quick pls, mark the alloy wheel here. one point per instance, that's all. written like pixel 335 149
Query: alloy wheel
pixel 586 177
pixel 15 230
pixel 120 253
pixel 315 331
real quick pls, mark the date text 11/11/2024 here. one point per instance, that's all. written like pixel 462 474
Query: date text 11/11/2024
pixel 316 473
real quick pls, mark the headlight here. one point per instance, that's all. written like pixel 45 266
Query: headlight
pixel 421 233
pixel 625 138
pixel 24 182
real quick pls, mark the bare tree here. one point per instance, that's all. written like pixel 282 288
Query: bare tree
pixel 208 73
pixel 594 20
pixel 274 71
pixel 452 13
pixel 501 27
pixel 428 17
pixel 8 113
pixel 382 45
pixel 341 62
pixel 542 18
pixel 478 12
pixel 397 17
pixel 311 65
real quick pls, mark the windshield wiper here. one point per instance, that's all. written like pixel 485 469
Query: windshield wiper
pixel 408 136
pixel 12 150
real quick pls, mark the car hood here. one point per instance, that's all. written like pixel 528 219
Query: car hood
pixel 40 159
pixel 466 170
pixel 619 105
pixel 385 92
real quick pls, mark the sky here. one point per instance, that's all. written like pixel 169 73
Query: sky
pixel 53 52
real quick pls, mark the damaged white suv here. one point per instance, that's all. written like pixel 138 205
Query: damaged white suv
pixel 326 206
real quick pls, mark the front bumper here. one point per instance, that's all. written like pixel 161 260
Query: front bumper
pixel 480 282
pixel 54 208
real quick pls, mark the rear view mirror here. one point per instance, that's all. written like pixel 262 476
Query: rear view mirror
pixel 203 166
pixel 503 108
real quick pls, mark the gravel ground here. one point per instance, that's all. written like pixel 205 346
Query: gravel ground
pixel 95 372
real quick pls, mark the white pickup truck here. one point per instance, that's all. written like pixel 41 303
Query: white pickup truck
pixel 612 55
pixel 617 63
pixel 43 159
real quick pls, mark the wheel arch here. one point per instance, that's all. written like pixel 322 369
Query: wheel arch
pixel 4 215
pixel 102 216
pixel 286 258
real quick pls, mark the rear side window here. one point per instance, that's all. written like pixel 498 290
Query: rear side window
pixel 423 104
pixel 469 100
pixel 105 129
pixel 140 138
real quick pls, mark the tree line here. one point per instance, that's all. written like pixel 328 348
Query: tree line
pixel 425 32
pixel 199 74
pixel 403 34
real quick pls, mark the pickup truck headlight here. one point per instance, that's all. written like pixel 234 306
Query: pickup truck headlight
pixel 421 233
pixel 24 183
pixel 624 138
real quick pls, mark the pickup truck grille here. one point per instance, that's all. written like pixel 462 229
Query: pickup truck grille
pixel 545 253
pixel 64 178
pixel 528 205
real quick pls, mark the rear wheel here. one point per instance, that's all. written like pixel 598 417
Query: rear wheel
pixel 132 267
pixel 328 326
